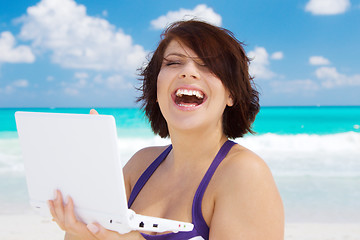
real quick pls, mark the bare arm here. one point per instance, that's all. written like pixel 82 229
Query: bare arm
pixel 248 206
pixel 70 237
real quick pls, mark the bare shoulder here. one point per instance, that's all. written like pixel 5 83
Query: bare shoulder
pixel 243 164
pixel 245 173
pixel 139 162
pixel 247 201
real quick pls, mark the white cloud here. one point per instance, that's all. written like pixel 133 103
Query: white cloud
pixel 21 83
pixel 98 79
pixel 10 88
pixel 114 82
pixel 81 82
pixel 71 91
pixel 14 54
pixel 200 12
pixel 277 55
pixel 86 82
pixel 259 66
pixel 331 78
pixel 117 82
pixel 294 86
pixel 318 60
pixel 327 7
pixel 77 40
pixel 81 75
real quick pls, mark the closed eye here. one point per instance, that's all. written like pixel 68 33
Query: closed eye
pixel 171 62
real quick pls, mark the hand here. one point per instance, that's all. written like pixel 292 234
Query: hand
pixel 64 216
pixel 93 111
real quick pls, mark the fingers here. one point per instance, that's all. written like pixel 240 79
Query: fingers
pixel 59 206
pixel 57 209
pixel 70 219
pixel 101 233
pixel 93 111
pixel 65 217
pixel 72 224
pixel 93 228
pixel 52 209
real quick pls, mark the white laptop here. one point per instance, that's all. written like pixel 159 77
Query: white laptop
pixel 78 154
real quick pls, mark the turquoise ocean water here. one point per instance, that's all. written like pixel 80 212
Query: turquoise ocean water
pixel 277 120
pixel 313 152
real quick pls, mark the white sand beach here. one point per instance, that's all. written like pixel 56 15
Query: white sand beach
pixel 29 227
pixel 34 227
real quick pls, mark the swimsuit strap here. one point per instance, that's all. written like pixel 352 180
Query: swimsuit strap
pixel 197 216
pixel 200 226
pixel 147 174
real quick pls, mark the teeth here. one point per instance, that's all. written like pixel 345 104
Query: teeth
pixel 187 105
pixel 181 92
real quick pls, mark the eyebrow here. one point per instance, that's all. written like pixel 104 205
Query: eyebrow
pixel 196 59
pixel 175 54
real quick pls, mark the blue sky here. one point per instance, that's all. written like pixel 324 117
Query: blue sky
pixel 84 53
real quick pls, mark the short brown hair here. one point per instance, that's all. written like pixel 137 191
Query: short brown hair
pixel 225 57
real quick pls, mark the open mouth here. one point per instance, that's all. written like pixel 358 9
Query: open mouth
pixel 188 98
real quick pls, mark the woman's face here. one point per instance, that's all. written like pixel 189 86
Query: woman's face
pixel 190 96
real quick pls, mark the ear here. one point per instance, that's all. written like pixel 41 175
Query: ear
pixel 230 101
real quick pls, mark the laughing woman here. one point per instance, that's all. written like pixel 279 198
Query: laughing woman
pixel 196 90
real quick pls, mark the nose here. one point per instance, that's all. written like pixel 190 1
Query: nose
pixel 189 70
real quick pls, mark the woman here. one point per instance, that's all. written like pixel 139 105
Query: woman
pixel 196 90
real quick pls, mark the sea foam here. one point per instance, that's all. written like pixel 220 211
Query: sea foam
pixel 318 176
pixel 299 154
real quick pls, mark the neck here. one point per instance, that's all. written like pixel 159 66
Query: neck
pixel 198 148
